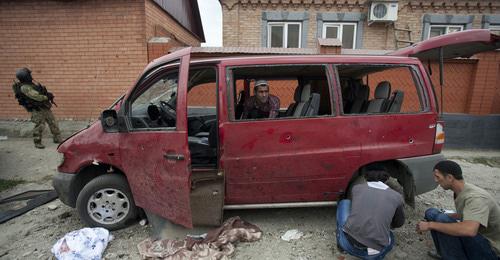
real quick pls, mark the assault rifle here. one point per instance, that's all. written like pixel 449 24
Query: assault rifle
pixel 43 90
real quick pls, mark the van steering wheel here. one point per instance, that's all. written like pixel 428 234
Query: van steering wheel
pixel 167 111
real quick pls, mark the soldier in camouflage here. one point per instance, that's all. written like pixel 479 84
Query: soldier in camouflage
pixel 37 100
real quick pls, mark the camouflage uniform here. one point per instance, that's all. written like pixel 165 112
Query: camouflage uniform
pixel 41 115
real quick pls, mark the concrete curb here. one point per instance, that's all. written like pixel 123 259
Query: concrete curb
pixel 24 128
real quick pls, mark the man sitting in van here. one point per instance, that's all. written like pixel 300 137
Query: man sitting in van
pixel 363 226
pixel 261 104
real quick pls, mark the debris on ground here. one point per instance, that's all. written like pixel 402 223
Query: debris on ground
pixel 52 207
pixel 38 230
pixel 23 202
pixel 218 243
pixel 86 243
pixel 292 234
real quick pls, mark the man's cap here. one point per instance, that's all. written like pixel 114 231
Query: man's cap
pixel 449 167
pixel 261 82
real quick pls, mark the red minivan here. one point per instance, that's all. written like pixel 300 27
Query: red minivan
pixel 179 146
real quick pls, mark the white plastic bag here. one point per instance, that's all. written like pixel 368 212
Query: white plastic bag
pixel 292 234
pixel 86 243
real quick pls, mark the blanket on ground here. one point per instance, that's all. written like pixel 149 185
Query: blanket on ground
pixel 218 243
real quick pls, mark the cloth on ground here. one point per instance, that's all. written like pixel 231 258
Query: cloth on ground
pixel 85 244
pixel 218 244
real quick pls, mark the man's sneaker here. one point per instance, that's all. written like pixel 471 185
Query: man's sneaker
pixel 39 146
pixel 434 254
pixel 57 139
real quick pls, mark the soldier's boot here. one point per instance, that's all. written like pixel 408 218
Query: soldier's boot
pixel 57 139
pixel 39 145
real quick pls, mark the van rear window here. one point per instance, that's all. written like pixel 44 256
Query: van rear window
pixel 375 89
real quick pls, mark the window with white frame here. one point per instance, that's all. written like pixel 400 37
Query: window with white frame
pixel 284 34
pixel 495 29
pixel 436 30
pixel 345 32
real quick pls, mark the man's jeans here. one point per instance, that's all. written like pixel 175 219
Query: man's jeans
pixel 453 247
pixel 343 212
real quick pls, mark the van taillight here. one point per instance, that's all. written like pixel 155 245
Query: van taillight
pixel 439 139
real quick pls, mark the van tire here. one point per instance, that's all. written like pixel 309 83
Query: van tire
pixel 116 212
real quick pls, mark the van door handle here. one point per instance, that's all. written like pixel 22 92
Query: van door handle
pixel 177 157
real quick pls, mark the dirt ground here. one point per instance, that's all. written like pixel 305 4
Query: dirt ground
pixel 32 235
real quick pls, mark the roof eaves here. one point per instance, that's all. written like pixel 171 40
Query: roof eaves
pixel 231 51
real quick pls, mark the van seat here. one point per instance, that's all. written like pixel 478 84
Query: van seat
pixel 381 99
pixel 296 98
pixel 309 102
pixel 396 101
pixel 360 99
pixel 203 148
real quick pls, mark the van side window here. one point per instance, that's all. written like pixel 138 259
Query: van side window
pixel 380 89
pixel 280 91
pixel 155 107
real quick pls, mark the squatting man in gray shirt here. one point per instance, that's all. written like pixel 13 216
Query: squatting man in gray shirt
pixel 363 224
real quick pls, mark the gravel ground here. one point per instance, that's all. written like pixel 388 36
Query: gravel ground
pixel 32 235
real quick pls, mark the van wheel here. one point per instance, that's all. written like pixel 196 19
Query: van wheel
pixel 106 201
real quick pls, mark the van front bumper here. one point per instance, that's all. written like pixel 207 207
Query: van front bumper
pixel 62 183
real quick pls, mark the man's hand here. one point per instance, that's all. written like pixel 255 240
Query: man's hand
pixel 466 228
pixel 423 226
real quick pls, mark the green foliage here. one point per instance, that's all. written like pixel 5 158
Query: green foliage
pixel 8 184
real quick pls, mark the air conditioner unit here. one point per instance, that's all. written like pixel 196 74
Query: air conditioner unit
pixel 383 11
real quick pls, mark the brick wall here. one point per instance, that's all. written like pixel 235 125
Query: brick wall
pixel 85 52
pixel 496 99
pixel 242 19
pixel 471 86
pixel 458 84
pixel 160 23
pixel 411 15
pixel 484 98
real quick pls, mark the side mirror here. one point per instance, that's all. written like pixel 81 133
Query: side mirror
pixel 109 121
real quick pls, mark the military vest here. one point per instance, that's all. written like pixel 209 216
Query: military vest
pixel 23 100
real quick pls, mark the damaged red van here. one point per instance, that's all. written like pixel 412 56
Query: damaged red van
pixel 179 146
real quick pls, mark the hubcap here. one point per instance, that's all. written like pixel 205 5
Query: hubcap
pixel 108 206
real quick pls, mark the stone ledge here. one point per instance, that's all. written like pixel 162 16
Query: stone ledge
pixel 24 128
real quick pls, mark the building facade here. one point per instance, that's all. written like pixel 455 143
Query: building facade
pixel 471 85
pixel 88 52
